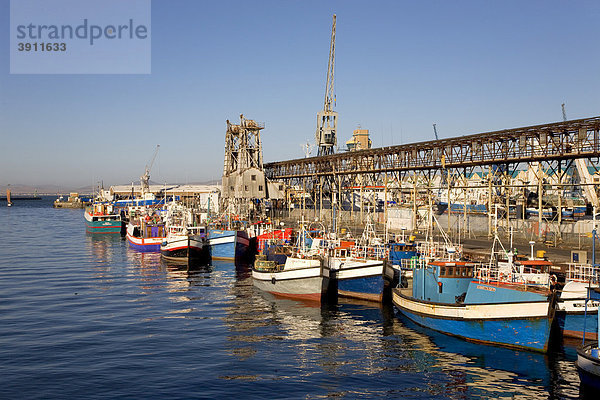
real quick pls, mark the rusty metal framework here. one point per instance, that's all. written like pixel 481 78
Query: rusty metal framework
pixel 541 143
pixel 411 174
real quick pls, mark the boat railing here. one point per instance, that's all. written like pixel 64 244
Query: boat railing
pixel 369 252
pixel 487 273
pixel 413 263
pixel 262 243
pixel 530 276
pixel 581 273
pixel 507 272
pixel 439 251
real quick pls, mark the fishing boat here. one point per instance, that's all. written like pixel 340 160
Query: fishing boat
pixel 467 300
pixel 405 257
pixel 102 217
pixel 228 244
pixel 399 251
pixel 184 241
pixel 301 277
pixel 268 237
pixel 145 233
pixel 358 272
pixel 588 355
pixel 571 305
pixel 185 244
pixel 356 266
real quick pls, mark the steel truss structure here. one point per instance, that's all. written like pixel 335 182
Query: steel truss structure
pixel 551 147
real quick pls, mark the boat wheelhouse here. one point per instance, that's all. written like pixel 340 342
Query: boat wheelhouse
pixel 102 218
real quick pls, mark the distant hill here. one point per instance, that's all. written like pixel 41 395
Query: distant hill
pixel 57 189
pixel 27 189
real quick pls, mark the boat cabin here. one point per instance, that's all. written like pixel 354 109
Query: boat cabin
pixel 442 281
pixel 103 212
pixel 401 251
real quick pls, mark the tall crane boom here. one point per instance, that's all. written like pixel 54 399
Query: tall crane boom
pixel 326 139
pixel 145 179
pixel 329 88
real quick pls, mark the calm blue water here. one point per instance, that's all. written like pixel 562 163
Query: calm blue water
pixel 87 317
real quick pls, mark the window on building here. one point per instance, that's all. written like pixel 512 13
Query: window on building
pixel 246 188
pixel 260 188
pixel 253 177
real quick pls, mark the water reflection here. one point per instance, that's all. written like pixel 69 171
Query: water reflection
pixel 102 247
pixel 354 339
pixel 490 371
pixel 350 349
pixel 102 251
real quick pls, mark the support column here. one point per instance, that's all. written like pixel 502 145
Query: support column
pixel 560 193
pixel 449 202
pixel 507 195
pixel 489 206
pixel 540 196
pixel 464 203
pixel 385 204
pixel 414 199
pixel 320 197
pixel 361 201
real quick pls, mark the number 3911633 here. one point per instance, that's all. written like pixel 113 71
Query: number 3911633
pixel 35 46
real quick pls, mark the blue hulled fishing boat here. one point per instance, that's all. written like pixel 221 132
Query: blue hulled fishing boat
pixel 228 244
pixel 467 300
pixel 400 254
pixel 358 271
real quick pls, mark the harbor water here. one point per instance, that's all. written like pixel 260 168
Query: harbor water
pixel 85 316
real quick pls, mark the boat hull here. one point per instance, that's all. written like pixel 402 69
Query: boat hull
pixel 145 245
pixel 359 279
pixel 572 324
pixel 228 245
pixel 102 224
pixel 301 279
pixel 523 325
pixel 571 312
pixel 588 366
pixel 182 248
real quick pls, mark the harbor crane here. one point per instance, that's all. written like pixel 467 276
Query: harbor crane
pixel 326 139
pixel 145 179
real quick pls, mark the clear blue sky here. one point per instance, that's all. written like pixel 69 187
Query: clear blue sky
pixel 468 66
